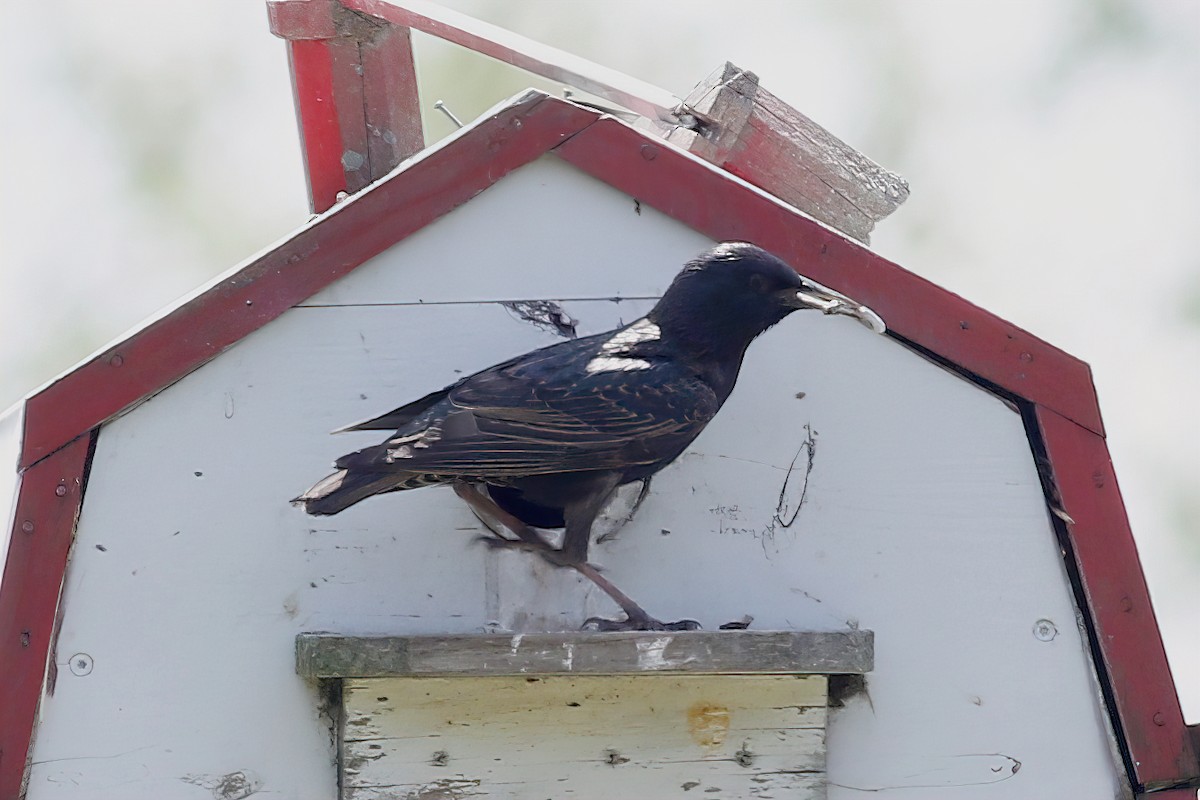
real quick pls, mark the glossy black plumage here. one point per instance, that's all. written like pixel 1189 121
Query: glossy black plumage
pixel 551 433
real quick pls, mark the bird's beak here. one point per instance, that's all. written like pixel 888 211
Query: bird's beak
pixel 813 295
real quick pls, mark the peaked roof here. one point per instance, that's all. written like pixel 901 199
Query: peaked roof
pixel 1052 389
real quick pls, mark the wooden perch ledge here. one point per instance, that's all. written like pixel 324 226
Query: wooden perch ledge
pixel 324 655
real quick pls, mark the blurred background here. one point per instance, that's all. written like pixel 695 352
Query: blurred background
pixel 1051 147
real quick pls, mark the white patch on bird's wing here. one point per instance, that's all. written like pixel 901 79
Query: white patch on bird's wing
pixel 402 446
pixel 403 451
pixel 613 364
pixel 611 358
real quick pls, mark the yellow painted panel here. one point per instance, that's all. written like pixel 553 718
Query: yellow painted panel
pixel 654 736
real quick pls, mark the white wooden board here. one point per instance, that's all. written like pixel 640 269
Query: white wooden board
pixel 534 235
pixel 923 520
pixel 591 738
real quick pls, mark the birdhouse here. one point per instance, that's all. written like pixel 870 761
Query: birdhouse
pixel 908 552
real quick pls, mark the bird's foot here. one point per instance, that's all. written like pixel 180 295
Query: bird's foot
pixel 636 623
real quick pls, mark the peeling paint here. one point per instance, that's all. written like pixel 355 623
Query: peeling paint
pixel 231 786
pixel 447 789
pixel 650 653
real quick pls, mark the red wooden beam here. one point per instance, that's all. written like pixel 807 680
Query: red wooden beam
pixel 43 527
pixel 355 89
pixel 708 200
pixel 511 48
pixel 250 297
pixel 1127 633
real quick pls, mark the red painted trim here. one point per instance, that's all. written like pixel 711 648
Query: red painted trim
pixel 301 19
pixel 706 199
pixel 393 107
pixel 355 90
pixel 312 67
pixel 510 48
pixel 170 347
pixel 43 528
pixel 1119 603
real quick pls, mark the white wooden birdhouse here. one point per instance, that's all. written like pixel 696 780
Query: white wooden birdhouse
pixel 922 530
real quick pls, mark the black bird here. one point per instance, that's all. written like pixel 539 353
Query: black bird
pixel 543 439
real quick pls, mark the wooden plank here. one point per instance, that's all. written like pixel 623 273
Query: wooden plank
pixel 311 65
pixel 585 737
pixel 390 99
pixel 1102 545
pixel 754 135
pixel 502 45
pixel 323 655
pixel 355 89
pixel 43 526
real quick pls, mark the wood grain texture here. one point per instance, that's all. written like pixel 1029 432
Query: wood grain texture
pixel 355 90
pixel 754 135
pixel 586 653
pixel 592 738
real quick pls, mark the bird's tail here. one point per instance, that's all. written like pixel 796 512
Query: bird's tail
pixel 344 488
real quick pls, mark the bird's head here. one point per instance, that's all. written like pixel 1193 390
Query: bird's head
pixel 737 290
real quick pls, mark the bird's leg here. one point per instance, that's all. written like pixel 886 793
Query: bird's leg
pixel 573 555
pixel 579 518
pixel 527 537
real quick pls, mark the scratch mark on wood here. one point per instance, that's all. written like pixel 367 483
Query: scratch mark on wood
pixel 950 772
pixel 233 786
pixel 448 789
pixel 782 508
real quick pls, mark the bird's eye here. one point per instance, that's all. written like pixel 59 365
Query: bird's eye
pixel 758 283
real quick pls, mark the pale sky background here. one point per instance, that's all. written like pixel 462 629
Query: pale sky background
pixel 1051 147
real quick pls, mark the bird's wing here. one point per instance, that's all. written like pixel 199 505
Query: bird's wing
pixel 529 417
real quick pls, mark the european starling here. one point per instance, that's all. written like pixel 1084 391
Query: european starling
pixel 544 439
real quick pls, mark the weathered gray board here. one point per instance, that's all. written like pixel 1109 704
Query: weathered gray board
pixel 585 737
pixel 322 655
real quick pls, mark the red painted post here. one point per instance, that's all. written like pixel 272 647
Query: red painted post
pixel 355 89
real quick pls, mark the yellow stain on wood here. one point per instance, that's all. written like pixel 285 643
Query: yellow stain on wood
pixel 708 724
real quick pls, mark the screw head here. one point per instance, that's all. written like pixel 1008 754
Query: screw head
pixel 116 361
pixel 1159 719
pixel 649 152
pixel 27 526
pixel 1044 630
pixel 61 490
pixel 81 664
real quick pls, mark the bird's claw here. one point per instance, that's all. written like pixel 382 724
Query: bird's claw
pixel 639 624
